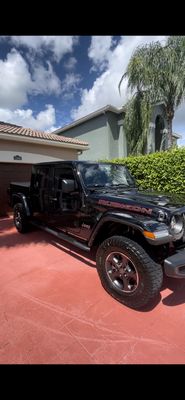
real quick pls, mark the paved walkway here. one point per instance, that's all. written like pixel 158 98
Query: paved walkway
pixel 53 309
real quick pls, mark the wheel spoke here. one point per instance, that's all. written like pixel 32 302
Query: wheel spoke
pixel 114 261
pixel 18 217
pixel 125 283
pixel 113 274
pixel 118 260
pixel 124 261
pixel 132 274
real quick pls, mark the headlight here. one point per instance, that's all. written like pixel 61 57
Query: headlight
pixel 176 225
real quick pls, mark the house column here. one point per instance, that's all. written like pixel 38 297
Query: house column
pixel 122 141
pixel 151 138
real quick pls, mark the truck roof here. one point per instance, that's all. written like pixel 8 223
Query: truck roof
pixel 72 162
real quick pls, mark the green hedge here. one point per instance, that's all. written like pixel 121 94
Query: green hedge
pixel 164 171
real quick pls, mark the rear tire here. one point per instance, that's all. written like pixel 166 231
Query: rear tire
pixel 20 218
pixel 127 273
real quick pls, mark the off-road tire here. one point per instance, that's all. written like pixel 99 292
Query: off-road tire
pixel 20 218
pixel 149 273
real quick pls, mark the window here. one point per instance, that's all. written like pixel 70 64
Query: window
pixel 62 173
pixel 105 175
pixel 41 178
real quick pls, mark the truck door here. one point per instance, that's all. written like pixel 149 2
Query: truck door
pixel 64 207
pixel 40 190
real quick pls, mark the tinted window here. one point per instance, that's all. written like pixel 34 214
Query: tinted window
pixel 41 178
pixel 105 175
pixel 62 173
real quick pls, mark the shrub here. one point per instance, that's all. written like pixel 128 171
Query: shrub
pixel 163 171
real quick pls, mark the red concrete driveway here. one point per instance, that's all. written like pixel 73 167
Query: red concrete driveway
pixel 53 310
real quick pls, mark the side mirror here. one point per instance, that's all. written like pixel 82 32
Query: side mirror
pixel 68 185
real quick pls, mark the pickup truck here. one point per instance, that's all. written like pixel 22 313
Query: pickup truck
pixel 137 237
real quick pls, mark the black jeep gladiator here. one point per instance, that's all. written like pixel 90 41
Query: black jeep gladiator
pixel 137 236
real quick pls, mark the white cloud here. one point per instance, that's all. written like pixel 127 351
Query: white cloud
pixel 16 81
pixel 45 80
pixel 58 45
pixel 99 51
pixel 43 121
pixel 70 85
pixel 105 88
pixel 70 64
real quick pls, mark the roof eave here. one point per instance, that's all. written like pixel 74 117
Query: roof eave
pixel 94 114
pixel 176 135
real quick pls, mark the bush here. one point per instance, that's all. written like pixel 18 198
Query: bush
pixel 164 171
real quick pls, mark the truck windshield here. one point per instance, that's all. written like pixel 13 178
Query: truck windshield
pixel 101 175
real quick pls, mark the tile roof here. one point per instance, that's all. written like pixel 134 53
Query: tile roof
pixel 20 131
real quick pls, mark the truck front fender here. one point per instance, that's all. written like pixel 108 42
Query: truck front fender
pixel 122 219
pixel 139 223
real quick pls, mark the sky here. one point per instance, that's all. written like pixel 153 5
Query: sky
pixel 46 82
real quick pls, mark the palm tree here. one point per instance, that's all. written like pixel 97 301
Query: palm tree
pixel 158 73
pixel 136 122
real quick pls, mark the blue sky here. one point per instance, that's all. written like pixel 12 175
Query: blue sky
pixel 48 81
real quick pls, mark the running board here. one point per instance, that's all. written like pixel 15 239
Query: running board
pixel 62 236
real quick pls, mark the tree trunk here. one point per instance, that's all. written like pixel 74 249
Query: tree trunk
pixel 170 115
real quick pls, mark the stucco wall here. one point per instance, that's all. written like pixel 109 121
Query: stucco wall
pixel 95 133
pixel 33 153
pixel 113 129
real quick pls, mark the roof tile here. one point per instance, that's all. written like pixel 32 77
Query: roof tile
pixel 20 131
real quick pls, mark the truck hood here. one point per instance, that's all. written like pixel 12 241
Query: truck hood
pixel 130 199
pixel 157 199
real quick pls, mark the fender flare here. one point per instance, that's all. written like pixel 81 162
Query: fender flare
pixel 22 199
pixel 113 217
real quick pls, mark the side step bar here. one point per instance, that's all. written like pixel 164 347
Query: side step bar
pixel 62 236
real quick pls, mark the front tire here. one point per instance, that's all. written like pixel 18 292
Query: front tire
pixel 127 273
pixel 20 218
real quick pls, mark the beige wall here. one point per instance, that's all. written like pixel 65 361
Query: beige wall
pixel 33 153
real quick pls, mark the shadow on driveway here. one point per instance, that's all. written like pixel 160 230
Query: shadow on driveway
pixel 34 236
pixel 12 239
pixel 177 286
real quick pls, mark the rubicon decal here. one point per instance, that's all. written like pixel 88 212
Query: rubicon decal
pixel 141 210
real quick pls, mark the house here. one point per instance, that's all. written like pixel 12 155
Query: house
pixel 103 130
pixel 21 147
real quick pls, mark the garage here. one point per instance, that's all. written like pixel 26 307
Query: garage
pixel 20 148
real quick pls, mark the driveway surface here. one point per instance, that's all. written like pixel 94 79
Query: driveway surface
pixel 53 309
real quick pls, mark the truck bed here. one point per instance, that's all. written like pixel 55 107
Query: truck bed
pixel 19 187
pixel 25 184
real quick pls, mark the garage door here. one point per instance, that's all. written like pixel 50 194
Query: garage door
pixel 11 172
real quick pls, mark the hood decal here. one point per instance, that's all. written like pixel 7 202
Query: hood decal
pixel 138 209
